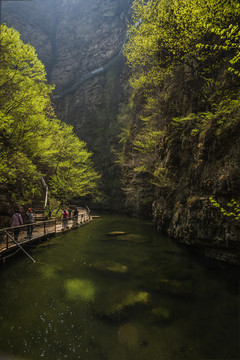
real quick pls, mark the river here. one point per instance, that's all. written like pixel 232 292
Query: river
pixel 137 296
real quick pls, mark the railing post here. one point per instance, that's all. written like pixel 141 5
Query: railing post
pixel 7 242
pixel 44 225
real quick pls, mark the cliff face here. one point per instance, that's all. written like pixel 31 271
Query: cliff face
pixel 195 160
pixel 202 165
pixel 72 38
pixel 80 43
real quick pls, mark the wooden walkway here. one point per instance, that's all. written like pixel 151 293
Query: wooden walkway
pixel 41 231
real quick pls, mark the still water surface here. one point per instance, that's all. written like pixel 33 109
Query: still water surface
pixel 134 297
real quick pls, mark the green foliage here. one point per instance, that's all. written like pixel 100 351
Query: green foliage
pixel 190 125
pixel 73 169
pixel 162 178
pixel 145 143
pixel 123 118
pixel 185 61
pixel 199 35
pixel 231 210
pixel 33 143
pixel 147 140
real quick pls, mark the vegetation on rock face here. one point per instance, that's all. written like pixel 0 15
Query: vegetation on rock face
pixel 33 143
pixel 200 36
pixel 231 210
pixel 184 57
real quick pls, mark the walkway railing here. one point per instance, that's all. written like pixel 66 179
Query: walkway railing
pixel 40 229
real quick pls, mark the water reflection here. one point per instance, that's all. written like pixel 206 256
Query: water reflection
pixel 78 289
pixel 128 334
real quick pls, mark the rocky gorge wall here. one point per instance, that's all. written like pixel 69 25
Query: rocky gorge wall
pixel 201 165
pixel 193 164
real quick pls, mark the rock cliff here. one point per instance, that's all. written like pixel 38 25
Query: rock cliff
pixel 192 164
pixel 202 165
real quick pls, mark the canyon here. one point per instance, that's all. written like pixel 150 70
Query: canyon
pixel 80 44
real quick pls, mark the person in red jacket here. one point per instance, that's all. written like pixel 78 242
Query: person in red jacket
pixel 65 218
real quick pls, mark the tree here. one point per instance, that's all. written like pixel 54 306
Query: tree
pixel 33 143
pixel 201 36
pixel 72 171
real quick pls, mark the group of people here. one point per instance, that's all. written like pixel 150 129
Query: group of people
pixel 17 220
pixel 66 215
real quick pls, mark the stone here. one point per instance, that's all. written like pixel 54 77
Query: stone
pixel 160 313
pixel 116 306
pixel 116 233
pixel 132 238
pixel 173 288
pixel 126 237
pixel 109 266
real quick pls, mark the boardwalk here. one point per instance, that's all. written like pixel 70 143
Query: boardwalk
pixel 41 230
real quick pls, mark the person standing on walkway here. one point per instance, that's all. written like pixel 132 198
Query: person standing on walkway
pixel 65 218
pixel 29 220
pixel 15 221
pixel 75 216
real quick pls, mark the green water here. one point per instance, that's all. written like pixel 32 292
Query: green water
pixel 134 297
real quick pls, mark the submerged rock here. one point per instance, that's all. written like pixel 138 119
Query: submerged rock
pixel 173 287
pixel 132 238
pixel 160 314
pixel 116 309
pixel 110 266
pixel 116 233
pixel 123 236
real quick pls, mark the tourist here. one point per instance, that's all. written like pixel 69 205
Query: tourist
pixel 75 217
pixel 15 221
pixel 29 220
pixel 65 218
